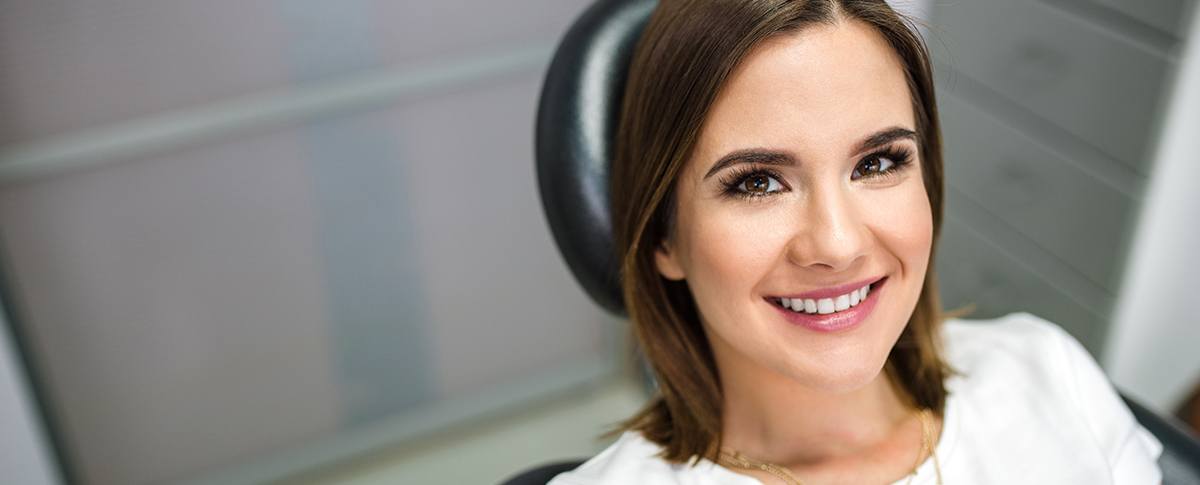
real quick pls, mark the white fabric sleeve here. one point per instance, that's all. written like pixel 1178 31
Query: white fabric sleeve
pixel 1132 452
pixel 564 479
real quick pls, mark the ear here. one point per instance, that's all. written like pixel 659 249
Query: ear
pixel 667 262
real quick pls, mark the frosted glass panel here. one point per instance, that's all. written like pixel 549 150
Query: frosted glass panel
pixel 198 311
pixel 205 306
pixel 68 65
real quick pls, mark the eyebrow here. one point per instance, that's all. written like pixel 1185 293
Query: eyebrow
pixel 751 155
pixel 778 157
pixel 886 136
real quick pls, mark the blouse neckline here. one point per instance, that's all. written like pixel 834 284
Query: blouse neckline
pixel 926 473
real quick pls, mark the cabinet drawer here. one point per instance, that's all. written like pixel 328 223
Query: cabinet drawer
pixel 1052 201
pixel 972 270
pixel 1081 77
pixel 1169 16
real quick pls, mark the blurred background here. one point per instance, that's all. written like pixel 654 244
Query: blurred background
pixel 293 241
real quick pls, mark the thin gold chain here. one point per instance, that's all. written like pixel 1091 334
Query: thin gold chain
pixel 737 459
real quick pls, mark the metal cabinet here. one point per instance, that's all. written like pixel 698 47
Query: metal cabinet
pixel 979 275
pixel 1095 83
pixel 1043 195
pixel 1050 112
pixel 1165 15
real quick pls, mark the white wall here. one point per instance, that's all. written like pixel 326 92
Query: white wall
pixel 1153 351
pixel 23 454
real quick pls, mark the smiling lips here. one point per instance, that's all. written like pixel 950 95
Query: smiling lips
pixel 831 310
pixel 828 300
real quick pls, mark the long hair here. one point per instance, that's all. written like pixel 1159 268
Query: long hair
pixel 685 54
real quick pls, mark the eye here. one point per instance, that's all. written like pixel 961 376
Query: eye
pixel 752 183
pixel 759 183
pixel 749 183
pixel 881 164
pixel 876 165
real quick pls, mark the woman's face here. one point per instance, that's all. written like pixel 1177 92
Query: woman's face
pixel 806 177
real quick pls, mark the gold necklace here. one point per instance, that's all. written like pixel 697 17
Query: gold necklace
pixel 737 459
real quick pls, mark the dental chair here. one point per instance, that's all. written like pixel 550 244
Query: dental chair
pixel 576 124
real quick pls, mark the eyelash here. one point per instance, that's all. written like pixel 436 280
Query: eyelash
pixel 901 158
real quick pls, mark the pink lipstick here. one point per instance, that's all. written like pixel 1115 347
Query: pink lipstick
pixel 825 318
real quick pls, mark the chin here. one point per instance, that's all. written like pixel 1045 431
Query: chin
pixel 840 378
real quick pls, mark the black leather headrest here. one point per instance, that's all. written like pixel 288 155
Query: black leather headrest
pixel 576 125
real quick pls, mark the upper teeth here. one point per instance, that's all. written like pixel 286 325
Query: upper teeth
pixel 826 305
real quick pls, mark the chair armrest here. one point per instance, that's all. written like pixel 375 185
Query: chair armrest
pixel 1180 460
pixel 542 474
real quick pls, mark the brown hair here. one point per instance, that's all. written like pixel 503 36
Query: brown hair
pixel 688 49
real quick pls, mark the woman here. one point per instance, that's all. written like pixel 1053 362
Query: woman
pixel 777 195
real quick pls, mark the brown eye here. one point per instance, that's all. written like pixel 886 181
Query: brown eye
pixel 752 183
pixel 759 184
pixel 873 166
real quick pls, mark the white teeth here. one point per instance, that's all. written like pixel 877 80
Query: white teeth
pixel 825 306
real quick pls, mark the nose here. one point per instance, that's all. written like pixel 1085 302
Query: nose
pixel 831 234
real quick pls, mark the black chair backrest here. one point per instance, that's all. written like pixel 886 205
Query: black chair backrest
pixel 542 474
pixel 1180 460
pixel 576 125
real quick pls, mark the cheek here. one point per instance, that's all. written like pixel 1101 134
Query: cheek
pixel 729 254
pixel 907 230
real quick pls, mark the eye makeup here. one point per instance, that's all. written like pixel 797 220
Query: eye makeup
pixel 733 183
pixel 879 166
pixel 899 156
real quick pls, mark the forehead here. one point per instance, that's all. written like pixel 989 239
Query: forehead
pixel 823 88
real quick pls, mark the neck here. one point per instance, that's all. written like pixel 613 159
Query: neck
pixel 772 417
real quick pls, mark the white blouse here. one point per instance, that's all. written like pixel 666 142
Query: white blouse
pixel 1031 406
